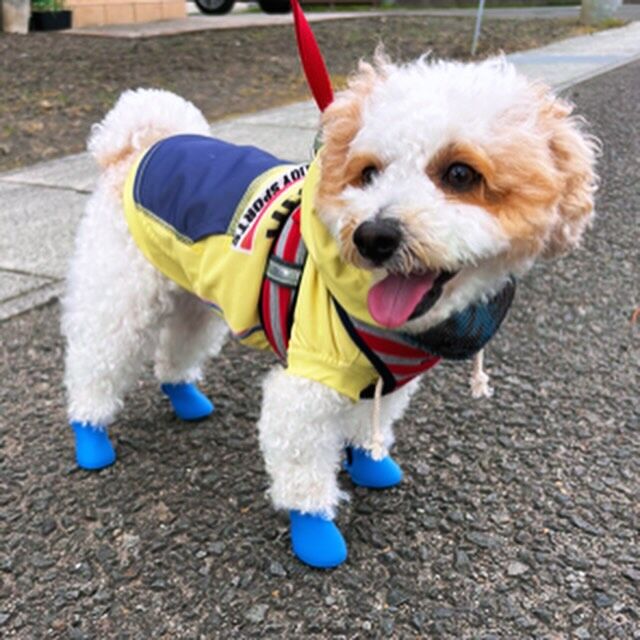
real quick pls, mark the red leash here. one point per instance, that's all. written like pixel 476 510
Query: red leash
pixel 313 64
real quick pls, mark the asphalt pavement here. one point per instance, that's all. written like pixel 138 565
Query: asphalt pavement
pixel 518 517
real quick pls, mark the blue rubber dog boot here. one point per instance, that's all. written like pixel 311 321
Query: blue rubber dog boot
pixel 317 541
pixel 188 401
pixel 93 447
pixel 367 472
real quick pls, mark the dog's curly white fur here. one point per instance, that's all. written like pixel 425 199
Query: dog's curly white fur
pixel 533 196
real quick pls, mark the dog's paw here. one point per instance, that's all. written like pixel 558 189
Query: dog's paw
pixel 480 387
pixel 188 402
pixel 370 473
pixel 93 448
pixel 317 541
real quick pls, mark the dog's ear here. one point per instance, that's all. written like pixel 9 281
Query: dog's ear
pixel 573 152
pixel 342 120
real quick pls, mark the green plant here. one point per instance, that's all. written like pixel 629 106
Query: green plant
pixel 47 5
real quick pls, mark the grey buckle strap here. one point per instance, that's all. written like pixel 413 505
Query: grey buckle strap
pixel 286 274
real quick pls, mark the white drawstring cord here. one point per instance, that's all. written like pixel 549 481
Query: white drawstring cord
pixel 377 441
pixel 480 387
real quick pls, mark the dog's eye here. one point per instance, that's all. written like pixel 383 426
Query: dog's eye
pixel 460 177
pixel 368 174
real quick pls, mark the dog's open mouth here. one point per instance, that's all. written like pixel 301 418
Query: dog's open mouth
pixel 398 298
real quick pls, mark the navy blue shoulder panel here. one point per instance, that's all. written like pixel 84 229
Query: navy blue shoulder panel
pixel 194 183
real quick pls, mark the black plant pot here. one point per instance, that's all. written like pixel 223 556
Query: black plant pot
pixel 50 20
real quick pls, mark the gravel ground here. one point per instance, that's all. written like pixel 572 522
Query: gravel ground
pixel 54 86
pixel 518 518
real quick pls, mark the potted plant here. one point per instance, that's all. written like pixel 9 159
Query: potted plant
pixel 49 15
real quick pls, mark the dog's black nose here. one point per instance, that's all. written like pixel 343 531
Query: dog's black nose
pixel 377 240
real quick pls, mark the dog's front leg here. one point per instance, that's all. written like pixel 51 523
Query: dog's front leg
pixel 364 470
pixel 302 441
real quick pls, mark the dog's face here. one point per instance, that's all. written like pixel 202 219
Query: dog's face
pixel 444 178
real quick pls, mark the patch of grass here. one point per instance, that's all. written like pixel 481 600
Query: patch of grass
pixel 609 23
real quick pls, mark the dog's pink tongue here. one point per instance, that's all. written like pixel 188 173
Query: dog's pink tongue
pixel 392 300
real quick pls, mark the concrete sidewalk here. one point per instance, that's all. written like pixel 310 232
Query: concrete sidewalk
pixel 40 206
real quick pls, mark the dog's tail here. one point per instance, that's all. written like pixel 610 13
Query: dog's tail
pixel 139 119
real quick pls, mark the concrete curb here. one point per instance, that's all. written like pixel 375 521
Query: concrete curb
pixel 12 307
pixel 595 73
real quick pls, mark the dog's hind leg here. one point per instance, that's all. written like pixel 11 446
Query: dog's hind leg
pixel 357 428
pixel 191 333
pixel 115 300
pixel 302 443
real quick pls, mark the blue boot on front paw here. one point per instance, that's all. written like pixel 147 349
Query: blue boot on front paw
pixel 367 472
pixel 317 541
pixel 188 401
pixel 93 447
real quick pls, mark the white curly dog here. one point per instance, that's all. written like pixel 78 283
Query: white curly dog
pixel 436 185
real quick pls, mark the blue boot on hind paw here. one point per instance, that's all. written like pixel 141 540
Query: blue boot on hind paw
pixel 188 402
pixel 367 472
pixel 93 448
pixel 317 541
